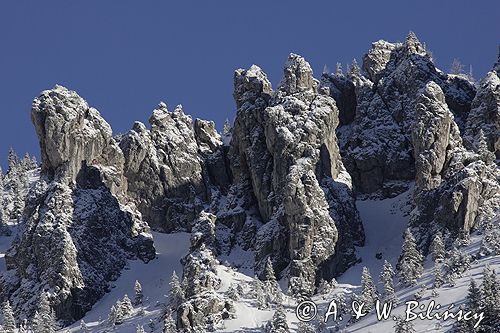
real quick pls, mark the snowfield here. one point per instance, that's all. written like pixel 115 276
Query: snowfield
pixel 384 222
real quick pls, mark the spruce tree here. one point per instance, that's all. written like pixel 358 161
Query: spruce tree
pixel 139 296
pixel 438 276
pixel 490 298
pixel 45 319
pixel 305 328
pixel 279 321
pixel 232 293
pixel 169 323
pixel 271 286
pixel 437 247
pixel 140 329
pixel 410 261
pixel 258 292
pixel 338 71
pixel 387 281
pixel 9 323
pixel 176 295
pixel 23 326
pixel 355 69
pixel 112 317
pixel 123 309
pixel 226 130
pixel 84 327
pixel 368 290
pixel 403 326
pixel 4 228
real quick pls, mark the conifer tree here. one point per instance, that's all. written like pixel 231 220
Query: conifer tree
pixel 403 326
pixel 305 328
pixel 45 319
pixel 4 229
pixel 355 69
pixel 9 323
pixel 169 324
pixel 258 291
pixel 387 281
pixel 338 71
pixel 140 329
pixel 368 290
pixel 271 286
pixel 176 295
pixel 139 296
pixel 437 247
pixel 410 261
pixel 473 299
pixel 438 276
pixel 490 293
pixel 84 327
pixel 23 326
pixel 226 130
pixel 123 309
pixel 232 293
pixel 112 317
pixel 280 324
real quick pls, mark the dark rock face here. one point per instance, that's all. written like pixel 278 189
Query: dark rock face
pixel 344 93
pixel 283 148
pixel 165 167
pixel 377 147
pixel 79 229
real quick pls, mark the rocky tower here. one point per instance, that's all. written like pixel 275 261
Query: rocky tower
pixel 377 146
pixel 78 227
pixel 284 151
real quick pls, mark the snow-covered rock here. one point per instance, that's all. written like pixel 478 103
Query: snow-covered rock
pixel 78 230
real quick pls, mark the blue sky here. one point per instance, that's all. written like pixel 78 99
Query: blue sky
pixel 125 56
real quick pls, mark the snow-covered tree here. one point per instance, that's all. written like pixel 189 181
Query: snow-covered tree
pixel 348 73
pixel 23 326
pixel 437 247
pixel 233 293
pixel 279 323
pixel 123 309
pixel 112 316
pixel 83 326
pixel 473 300
pixel 356 74
pixel 438 276
pixel 456 67
pixel 258 293
pixel 4 229
pixel 387 281
pixel 227 130
pixel 326 70
pixel 9 323
pixel 410 261
pixel 420 293
pixel 368 289
pixel 341 302
pixel 139 296
pixel 271 286
pixel 338 71
pixel 490 293
pixel 403 326
pixel 458 262
pixel 305 328
pixel 169 323
pixel 44 320
pixel 140 329
pixel 176 295
pixel 490 244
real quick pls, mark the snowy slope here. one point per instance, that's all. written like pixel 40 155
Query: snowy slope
pixel 154 278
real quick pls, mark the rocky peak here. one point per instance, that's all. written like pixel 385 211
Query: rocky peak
pixel 298 76
pixel 378 56
pixel 78 229
pixel 251 86
pixel 72 134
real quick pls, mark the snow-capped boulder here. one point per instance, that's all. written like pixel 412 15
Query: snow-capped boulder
pixel 78 230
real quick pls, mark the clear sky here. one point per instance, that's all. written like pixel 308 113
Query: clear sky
pixel 125 56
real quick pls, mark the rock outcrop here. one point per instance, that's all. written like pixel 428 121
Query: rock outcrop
pixel 455 188
pixel 78 229
pixel 203 309
pixel 377 148
pixel 284 152
pixel 165 168
pixel 485 114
